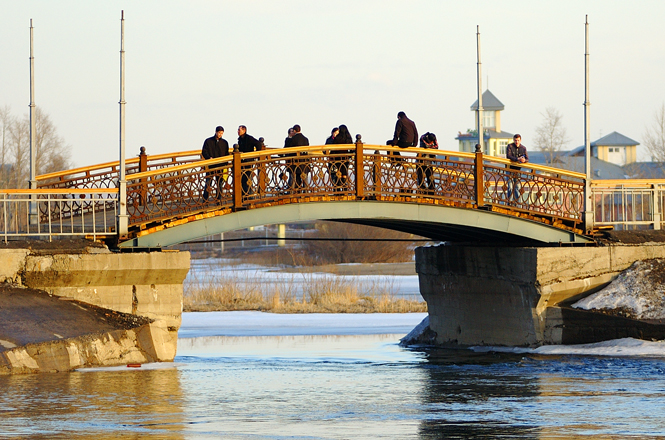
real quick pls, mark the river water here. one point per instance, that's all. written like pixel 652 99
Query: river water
pixel 249 375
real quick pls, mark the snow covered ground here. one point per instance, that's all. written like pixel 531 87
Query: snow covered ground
pixel 639 291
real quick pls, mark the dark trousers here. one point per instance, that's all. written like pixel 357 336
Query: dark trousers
pixel 210 178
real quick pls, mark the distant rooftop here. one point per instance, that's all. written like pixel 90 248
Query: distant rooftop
pixel 614 139
pixel 490 102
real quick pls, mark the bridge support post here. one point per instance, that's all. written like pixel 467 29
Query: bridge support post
pixel 360 169
pixel 143 166
pixel 656 206
pixel 376 173
pixel 479 177
pixel 237 186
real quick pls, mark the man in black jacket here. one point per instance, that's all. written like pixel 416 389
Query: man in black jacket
pixel 517 154
pixel 247 144
pixel 214 147
pixel 301 168
pixel 406 134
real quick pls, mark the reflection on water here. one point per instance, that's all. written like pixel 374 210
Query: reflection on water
pixel 342 387
pixel 100 404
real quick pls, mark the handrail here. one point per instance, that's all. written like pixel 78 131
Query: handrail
pixel 633 183
pixel 115 164
pixel 345 147
pixel 60 191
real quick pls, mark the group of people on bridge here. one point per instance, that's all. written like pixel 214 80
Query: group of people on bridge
pixel 297 166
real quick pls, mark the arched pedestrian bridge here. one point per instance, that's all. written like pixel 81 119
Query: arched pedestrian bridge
pixel 443 195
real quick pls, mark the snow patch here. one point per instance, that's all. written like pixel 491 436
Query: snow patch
pixel 614 348
pixel 638 292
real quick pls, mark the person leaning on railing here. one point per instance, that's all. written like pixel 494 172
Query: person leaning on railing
pixel 517 153
pixel 424 171
pixel 214 147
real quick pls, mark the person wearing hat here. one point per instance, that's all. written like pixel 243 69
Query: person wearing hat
pixel 214 147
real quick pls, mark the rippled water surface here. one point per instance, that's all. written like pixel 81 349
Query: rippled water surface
pixel 365 386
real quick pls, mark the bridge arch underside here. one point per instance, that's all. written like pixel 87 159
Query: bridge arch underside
pixel 439 223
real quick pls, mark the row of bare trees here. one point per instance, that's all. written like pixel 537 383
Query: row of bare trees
pixel 551 137
pixel 51 152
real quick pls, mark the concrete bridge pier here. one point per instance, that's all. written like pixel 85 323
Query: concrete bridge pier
pixel 512 295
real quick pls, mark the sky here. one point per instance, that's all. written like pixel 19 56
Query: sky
pixel 191 66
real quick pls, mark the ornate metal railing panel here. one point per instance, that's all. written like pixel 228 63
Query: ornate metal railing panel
pixel 331 172
pixel 106 175
pixel 171 192
pixel 174 187
pixel 37 213
pixel 624 204
pixel 540 190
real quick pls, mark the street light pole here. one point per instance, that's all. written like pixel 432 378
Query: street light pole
pixel 588 202
pixel 32 184
pixel 123 218
pixel 479 110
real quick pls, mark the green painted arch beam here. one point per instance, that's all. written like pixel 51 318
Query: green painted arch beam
pixel 441 223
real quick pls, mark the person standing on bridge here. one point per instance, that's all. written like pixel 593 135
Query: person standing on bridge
pixel 517 154
pixel 301 168
pixel 406 133
pixel 332 165
pixel 290 168
pixel 424 170
pixel 214 147
pixel 343 158
pixel 247 144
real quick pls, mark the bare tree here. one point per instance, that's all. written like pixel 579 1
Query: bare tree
pixel 551 135
pixel 654 136
pixel 332 252
pixel 51 152
pixel 6 120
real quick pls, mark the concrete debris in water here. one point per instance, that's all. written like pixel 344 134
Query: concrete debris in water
pixel 638 293
pixel 420 335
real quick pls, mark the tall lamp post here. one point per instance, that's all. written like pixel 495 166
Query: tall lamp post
pixel 123 218
pixel 479 110
pixel 32 184
pixel 588 203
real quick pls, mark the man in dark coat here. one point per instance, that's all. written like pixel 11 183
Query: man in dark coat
pixel 214 147
pixel 517 154
pixel 406 134
pixel 247 144
pixel 301 168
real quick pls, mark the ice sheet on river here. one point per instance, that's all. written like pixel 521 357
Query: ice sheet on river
pixel 613 348
pixel 196 324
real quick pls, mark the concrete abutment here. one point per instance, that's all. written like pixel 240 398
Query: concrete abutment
pixel 511 296
pixel 148 285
